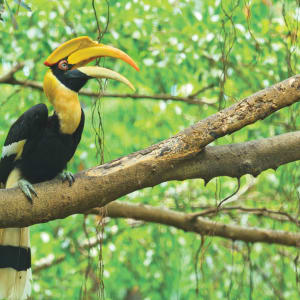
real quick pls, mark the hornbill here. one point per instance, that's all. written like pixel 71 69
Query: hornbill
pixel 38 147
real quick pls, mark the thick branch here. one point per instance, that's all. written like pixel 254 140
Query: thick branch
pixel 100 185
pixel 187 222
pixel 177 158
pixel 9 78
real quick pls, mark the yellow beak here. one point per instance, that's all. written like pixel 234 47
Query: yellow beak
pixel 82 50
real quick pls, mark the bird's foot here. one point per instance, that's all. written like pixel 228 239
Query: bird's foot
pixel 66 175
pixel 27 188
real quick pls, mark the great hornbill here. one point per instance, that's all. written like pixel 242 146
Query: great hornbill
pixel 38 147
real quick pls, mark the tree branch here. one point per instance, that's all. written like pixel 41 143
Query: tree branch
pixel 9 78
pixel 177 158
pixel 188 222
pixel 100 185
pixel 163 216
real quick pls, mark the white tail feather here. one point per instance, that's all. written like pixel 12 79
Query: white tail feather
pixel 14 285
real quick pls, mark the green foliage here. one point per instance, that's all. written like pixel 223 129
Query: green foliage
pixel 181 47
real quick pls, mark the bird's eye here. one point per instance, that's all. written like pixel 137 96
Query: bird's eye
pixel 63 65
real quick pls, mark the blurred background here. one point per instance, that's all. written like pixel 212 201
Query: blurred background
pixel 216 51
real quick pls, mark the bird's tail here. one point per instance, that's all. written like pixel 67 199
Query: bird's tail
pixel 15 262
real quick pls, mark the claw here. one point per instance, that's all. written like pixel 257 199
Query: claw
pixel 67 175
pixel 27 189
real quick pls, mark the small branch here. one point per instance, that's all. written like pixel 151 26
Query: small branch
pixel 40 266
pixel 202 90
pixel 200 225
pixel 10 79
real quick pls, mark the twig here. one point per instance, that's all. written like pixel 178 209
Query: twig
pixel 39 266
pixel 10 79
pixel 9 76
pixel 257 211
pixel 230 196
pixel 202 90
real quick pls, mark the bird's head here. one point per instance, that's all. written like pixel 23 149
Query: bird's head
pixel 68 68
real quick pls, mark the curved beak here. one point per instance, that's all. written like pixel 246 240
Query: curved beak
pixel 84 56
pixel 82 50
pixel 86 73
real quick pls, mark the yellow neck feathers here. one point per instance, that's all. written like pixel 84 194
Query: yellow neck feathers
pixel 65 102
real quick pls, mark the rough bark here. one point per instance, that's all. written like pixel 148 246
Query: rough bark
pixel 100 185
pixel 188 222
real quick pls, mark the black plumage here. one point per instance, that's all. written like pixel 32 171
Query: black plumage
pixel 46 150
pixel 18 258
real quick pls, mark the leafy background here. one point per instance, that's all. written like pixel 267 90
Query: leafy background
pixel 238 48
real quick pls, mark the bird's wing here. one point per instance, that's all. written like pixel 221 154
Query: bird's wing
pixel 27 126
